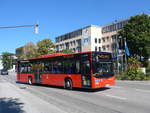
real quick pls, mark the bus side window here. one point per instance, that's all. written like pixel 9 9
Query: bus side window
pixel 57 67
pixel 29 68
pixel 25 69
pixel 21 69
pixel 86 67
pixel 48 67
pixel 77 71
pixel 71 68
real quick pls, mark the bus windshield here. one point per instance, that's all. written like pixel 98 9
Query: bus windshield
pixel 102 67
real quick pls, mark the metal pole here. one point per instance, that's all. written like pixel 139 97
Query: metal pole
pixel 117 49
pixel 35 27
pixel 125 55
pixel 2 27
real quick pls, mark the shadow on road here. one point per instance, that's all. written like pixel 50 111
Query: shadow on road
pixel 11 105
pixel 74 89
pixel 91 90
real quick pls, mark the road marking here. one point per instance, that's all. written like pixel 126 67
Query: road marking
pixel 139 83
pixel 142 90
pixel 117 97
pixel 115 87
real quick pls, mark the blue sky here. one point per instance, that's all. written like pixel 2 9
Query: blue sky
pixel 56 17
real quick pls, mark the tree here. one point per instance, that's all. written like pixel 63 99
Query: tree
pixel 27 51
pixel 7 60
pixel 30 50
pixel 45 46
pixel 137 33
pixel 67 51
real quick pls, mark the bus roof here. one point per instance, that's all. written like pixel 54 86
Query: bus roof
pixel 62 54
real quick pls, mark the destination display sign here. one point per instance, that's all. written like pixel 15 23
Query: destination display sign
pixel 103 56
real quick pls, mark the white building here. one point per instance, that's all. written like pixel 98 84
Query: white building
pixel 80 40
pixel 91 38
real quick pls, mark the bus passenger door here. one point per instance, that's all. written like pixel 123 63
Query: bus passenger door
pixel 37 76
pixel 37 67
pixel 85 72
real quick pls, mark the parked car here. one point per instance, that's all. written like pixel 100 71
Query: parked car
pixel 4 72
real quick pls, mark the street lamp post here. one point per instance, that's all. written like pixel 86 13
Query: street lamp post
pixel 36 27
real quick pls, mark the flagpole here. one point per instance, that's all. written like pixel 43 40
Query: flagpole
pixel 125 54
pixel 117 49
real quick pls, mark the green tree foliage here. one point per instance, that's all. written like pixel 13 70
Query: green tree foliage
pixel 148 69
pixel 67 51
pixel 45 46
pixel 137 33
pixel 7 60
pixel 27 51
pixel 30 50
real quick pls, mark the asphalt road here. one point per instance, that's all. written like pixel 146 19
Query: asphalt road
pixel 125 97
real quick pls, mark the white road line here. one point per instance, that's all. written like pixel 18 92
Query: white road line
pixel 115 87
pixel 117 97
pixel 142 90
pixel 135 83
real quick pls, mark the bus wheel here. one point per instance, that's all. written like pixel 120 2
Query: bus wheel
pixel 68 84
pixel 30 80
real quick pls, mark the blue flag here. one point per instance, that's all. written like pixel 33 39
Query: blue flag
pixel 127 50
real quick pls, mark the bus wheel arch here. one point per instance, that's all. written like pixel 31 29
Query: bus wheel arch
pixel 68 84
pixel 30 80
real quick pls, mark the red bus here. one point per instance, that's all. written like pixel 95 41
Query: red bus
pixel 79 70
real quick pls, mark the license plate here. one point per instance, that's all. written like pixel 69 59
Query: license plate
pixel 107 85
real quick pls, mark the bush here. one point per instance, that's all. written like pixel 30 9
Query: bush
pixel 118 77
pixel 122 76
pixel 133 71
pixel 147 76
pixel 148 69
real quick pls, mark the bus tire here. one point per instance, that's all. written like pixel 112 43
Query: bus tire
pixel 68 84
pixel 30 80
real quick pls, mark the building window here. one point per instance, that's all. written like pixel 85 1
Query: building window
pixel 107 38
pixel 71 43
pixel 99 48
pixel 95 48
pixel 78 42
pixel 74 43
pixel 114 37
pixel 104 48
pixel 103 39
pixel 99 40
pixel 95 40
pixel 114 26
pixel 108 47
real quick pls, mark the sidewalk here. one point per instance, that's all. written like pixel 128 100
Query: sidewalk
pixel 15 100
